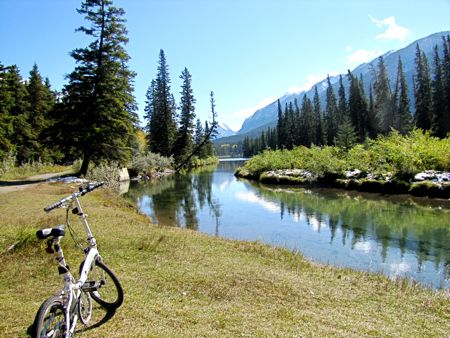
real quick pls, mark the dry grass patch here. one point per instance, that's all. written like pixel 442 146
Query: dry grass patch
pixel 180 283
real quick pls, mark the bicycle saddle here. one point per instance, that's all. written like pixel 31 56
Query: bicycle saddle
pixel 51 232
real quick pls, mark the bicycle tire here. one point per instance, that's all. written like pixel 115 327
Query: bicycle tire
pixel 45 324
pixel 109 295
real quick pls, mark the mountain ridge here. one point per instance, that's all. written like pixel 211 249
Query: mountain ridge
pixel 267 117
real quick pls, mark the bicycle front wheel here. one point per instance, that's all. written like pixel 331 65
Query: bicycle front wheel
pixel 109 291
pixel 50 319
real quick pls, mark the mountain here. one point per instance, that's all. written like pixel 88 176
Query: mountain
pixel 224 131
pixel 267 116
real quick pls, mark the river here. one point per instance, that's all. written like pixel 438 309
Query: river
pixel 400 236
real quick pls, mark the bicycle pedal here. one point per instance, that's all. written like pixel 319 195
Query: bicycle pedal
pixel 90 286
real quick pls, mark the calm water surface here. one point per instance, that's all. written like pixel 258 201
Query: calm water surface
pixel 398 236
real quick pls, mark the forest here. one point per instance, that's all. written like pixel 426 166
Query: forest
pixel 352 116
pixel 94 117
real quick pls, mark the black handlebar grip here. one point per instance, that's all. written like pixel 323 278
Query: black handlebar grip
pixel 53 206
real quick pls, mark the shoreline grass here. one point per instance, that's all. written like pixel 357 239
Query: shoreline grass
pixel 181 283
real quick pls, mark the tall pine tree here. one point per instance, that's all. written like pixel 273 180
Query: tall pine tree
pixel 99 107
pixel 438 124
pixel 184 141
pixel 162 123
pixel 402 121
pixel 422 91
pixel 331 113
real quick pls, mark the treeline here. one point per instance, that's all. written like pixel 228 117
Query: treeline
pixel 353 115
pixel 94 117
pixel 25 115
pixel 172 134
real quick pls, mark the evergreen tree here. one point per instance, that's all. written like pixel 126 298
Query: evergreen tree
pixel 342 101
pixel 307 127
pixel 184 141
pixel 422 91
pixel 318 126
pixel 6 119
pixel 18 107
pixel 357 106
pixel 346 136
pixel 331 114
pixel 41 102
pixel 383 98
pixel 99 108
pixel 402 121
pixel 149 110
pixel 162 123
pixel 280 127
pixel 446 81
pixel 438 124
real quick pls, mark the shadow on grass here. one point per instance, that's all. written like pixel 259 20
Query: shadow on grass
pixel 98 321
pixel 95 322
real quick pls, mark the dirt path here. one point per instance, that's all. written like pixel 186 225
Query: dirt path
pixel 15 185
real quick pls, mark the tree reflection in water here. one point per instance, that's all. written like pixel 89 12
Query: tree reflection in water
pixel 213 201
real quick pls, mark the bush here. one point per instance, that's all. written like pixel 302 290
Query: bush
pixel 395 156
pixel 7 163
pixel 149 163
pixel 107 172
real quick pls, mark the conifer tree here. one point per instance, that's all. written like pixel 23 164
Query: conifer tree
pixel 18 107
pixel 149 110
pixel 280 127
pixel 99 107
pixel 402 121
pixel 331 113
pixel 162 124
pixel 383 98
pixel 41 102
pixel 422 91
pixel 346 136
pixel 342 101
pixel 446 81
pixel 184 141
pixel 357 106
pixel 307 127
pixel 6 118
pixel 438 98
pixel 318 125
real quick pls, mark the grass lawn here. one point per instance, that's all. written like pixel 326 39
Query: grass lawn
pixel 181 283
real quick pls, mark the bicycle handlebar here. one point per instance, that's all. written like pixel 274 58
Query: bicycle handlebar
pixel 83 191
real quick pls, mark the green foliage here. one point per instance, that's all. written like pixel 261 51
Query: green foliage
pixel 7 163
pixel 97 114
pixel 393 155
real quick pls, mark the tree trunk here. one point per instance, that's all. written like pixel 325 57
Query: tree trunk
pixel 85 165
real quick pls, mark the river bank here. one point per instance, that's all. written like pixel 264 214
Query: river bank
pixel 179 282
pixel 431 188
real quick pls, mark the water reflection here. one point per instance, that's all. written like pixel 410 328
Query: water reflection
pixel 396 236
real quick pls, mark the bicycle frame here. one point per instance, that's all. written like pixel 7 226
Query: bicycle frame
pixel 72 289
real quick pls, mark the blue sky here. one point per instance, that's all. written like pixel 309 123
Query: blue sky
pixel 249 52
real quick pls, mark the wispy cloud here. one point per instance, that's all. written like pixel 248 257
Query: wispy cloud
pixel 392 31
pixel 356 57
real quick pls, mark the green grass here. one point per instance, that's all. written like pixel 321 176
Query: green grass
pixel 180 283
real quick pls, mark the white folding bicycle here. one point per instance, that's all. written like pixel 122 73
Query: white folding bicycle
pixel 58 315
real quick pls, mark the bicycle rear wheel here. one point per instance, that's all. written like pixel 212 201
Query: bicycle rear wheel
pixel 109 291
pixel 50 319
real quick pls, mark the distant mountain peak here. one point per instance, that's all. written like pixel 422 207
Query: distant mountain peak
pixel 267 116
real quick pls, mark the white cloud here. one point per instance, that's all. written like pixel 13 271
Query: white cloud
pixel 360 56
pixel 392 31
pixel 252 198
pixel 237 118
